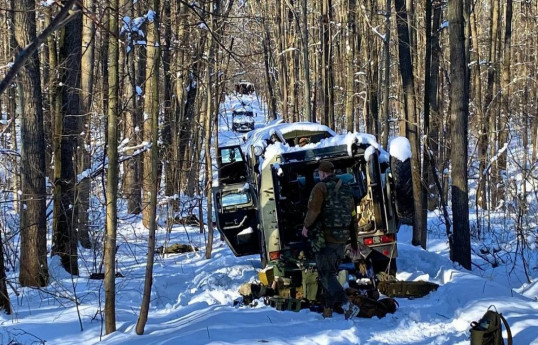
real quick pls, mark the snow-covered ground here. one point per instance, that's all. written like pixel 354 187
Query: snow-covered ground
pixel 193 298
pixel 193 302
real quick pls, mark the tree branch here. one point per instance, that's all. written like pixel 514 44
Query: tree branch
pixel 62 18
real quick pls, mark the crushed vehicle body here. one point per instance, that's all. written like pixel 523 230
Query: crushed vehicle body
pixel 265 182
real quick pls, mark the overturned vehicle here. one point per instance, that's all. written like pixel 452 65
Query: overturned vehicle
pixel 265 182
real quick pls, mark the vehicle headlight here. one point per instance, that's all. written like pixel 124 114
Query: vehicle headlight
pixel 258 150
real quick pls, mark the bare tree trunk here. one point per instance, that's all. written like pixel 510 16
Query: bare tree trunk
pixel 323 61
pixel 33 259
pixel 151 126
pixel 489 103
pixel 505 96
pixel 65 242
pixel 482 148
pixel 460 242
pixel 427 161
pixel 150 107
pixel 83 155
pixel 261 9
pixel 208 125
pixel 351 33
pixel 413 124
pixel 385 114
pixel 371 114
pixel 306 66
pixel 281 21
pixel 5 304
pixel 112 173
pixel 168 160
pixel 131 167
pixel 268 75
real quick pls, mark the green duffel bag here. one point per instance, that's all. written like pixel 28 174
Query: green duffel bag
pixel 488 330
pixel 408 289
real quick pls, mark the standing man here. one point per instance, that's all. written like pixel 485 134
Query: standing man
pixel 329 224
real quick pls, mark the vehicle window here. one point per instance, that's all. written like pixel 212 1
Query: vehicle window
pixel 231 155
pixel 231 199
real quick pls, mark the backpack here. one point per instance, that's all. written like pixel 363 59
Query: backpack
pixel 337 209
pixel 488 330
pixel 369 307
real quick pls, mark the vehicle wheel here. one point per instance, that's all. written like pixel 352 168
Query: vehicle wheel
pixel 403 189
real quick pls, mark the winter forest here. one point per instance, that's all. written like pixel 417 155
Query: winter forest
pixel 110 114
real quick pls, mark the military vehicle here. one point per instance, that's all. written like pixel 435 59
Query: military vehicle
pixel 242 119
pixel 264 185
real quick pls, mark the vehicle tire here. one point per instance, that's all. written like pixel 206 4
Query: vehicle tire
pixel 403 189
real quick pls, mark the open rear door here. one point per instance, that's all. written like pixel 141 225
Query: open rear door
pixel 237 218
pixel 235 203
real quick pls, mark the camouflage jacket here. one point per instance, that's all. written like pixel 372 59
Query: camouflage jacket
pixel 315 203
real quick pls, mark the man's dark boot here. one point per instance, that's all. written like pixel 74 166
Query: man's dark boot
pixel 327 312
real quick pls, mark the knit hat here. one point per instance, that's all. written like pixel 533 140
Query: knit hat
pixel 326 166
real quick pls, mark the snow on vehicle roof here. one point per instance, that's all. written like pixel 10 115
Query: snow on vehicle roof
pixel 337 140
pixel 260 138
pixel 242 109
pixel 282 128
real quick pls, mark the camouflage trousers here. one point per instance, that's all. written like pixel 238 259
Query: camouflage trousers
pixel 327 261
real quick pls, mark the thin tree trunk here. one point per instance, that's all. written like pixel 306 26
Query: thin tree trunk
pixel 151 163
pixel 306 66
pixel 283 75
pixel 435 115
pixel 385 114
pixel 489 103
pixel 112 173
pixel 151 91
pixel 323 62
pixel 208 125
pixel 482 148
pixel 413 124
pixel 130 113
pixel 427 162
pixel 505 95
pixel 83 155
pixel 166 131
pixel 351 33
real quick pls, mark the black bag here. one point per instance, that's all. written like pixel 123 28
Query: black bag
pixel 488 330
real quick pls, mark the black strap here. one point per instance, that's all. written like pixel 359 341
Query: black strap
pixel 508 331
